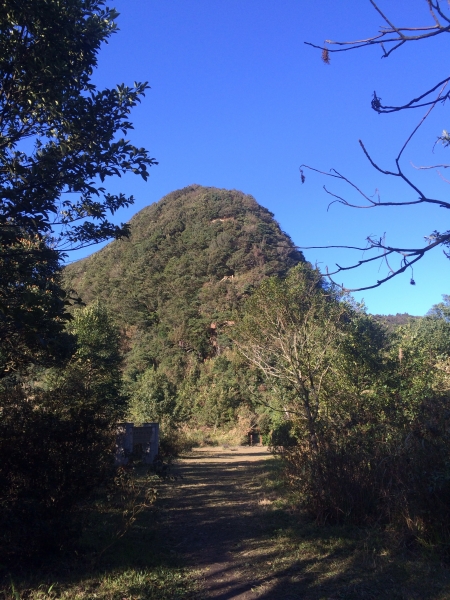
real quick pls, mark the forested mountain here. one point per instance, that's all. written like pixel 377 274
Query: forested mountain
pixel 393 321
pixel 336 392
pixel 174 283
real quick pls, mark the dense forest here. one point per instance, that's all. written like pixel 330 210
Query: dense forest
pixel 174 288
pixel 175 282
pixel 225 327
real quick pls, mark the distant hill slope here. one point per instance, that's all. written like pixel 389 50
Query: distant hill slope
pixel 174 283
pixel 394 321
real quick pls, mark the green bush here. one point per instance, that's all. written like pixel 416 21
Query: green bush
pixel 56 447
pixel 57 440
pixel 379 472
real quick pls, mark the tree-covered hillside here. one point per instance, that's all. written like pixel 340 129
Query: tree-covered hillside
pixel 174 283
pixel 392 322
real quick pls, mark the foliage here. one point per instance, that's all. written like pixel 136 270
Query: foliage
pixel 291 330
pixel 57 439
pixel 174 285
pixel 213 394
pixel 59 142
pixel 364 419
pixel 338 561
pixel 441 310
pixel 97 360
pixel 32 307
pixel 50 187
pixel 357 412
pixel 391 322
pixel 153 399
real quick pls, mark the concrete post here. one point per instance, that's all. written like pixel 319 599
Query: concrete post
pixel 152 447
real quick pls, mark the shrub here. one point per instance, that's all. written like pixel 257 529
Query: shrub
pixel 56 447
pixel 57 439
pixel 379 472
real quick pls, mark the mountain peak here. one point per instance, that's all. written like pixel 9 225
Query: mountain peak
pixel 189 261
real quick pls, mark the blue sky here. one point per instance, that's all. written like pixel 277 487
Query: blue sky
pixel 238 101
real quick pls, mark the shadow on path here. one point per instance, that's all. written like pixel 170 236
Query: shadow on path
pixel 216 518
pixel 211 516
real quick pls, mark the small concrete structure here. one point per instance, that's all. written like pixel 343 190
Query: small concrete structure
pixel 254 436
pixel 141 442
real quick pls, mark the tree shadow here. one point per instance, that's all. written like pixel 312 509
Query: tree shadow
pixel 220 533
pixel 220 521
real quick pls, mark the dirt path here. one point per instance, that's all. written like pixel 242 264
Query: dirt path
pixel 213 518
pixel 241 544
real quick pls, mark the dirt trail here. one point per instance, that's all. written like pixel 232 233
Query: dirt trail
pixel 214 518
pixel 225 523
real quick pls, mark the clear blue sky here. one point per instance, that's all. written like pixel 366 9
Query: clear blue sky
pixel 239 101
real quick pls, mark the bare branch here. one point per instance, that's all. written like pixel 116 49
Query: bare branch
pixel 390 37
pixel 410 256
pixel 393 27
pixel 373 204
pixel 436 20
pixel 443 166
pixel 439 11
pixel 443 178
pixel 393 35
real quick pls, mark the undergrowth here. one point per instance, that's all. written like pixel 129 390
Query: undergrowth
pixel 122 554
pixel 300 558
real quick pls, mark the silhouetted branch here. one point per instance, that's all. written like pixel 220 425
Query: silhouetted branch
pixel 409 257
pixel 390 37
pixel 397 36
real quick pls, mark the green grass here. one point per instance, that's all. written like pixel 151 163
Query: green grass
pixel 300 559
pixel 139 565
pixel 290 558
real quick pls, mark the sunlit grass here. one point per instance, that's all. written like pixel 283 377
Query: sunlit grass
pixel 284 555
pixel 298 558
pixel 158 583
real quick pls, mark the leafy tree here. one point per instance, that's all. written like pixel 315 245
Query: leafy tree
pixel 422 352
pixel 291 330
pixel 154 399
pixel 359 369
pixel 32 308
pixel 59 141
pixel 213 393
pixel 390 38
pixel 57 438
pixel 366 416
pixel 52 185
pixel 441 310
pixel 61 138
pixel 97 359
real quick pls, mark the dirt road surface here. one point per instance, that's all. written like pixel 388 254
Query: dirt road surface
pixel 214 519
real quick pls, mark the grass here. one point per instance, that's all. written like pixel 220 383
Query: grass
pixel 137 564
pixel 299 559
pixel 209 436
pixel 289 557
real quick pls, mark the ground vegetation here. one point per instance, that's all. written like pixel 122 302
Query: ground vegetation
pixel 57 440
pixel 365 429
